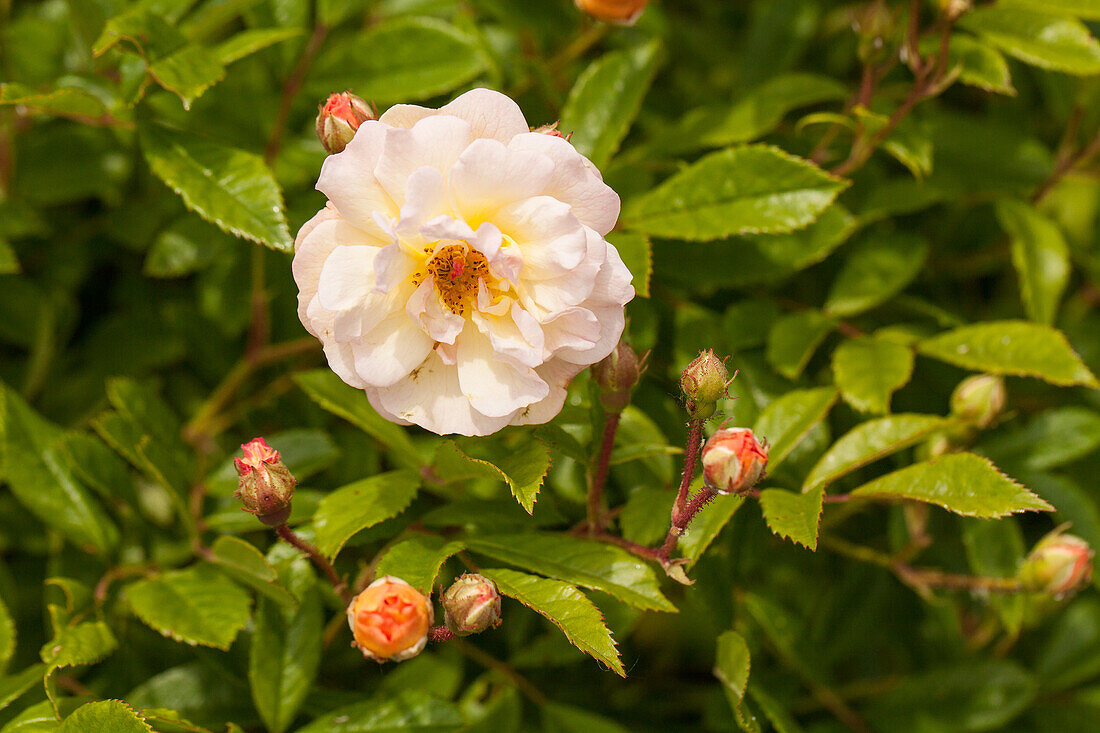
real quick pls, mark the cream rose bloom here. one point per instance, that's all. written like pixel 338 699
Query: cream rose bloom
pixel 459 273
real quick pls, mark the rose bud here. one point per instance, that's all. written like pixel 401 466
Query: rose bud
pixel 979 400
pixel 390 620
pixel 733 460
pixel 1059 564
pixel 338 119
pixel 616 375
pixel 620 12
pixel 471 605
pixel 704 382
pixel 551 129
pixel 265 484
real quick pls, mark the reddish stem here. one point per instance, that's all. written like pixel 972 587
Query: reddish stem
pixel 691 455
pixel 599 477
pixel 440 633
pixel 286 533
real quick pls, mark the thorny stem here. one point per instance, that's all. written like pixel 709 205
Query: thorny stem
pixel 926 85
pixel 1065 165
pixel 922 580
pixel 199 427
pixel 596 519
pixel 258 325
pixel 341 588
pixel 291 88
pixel 684 511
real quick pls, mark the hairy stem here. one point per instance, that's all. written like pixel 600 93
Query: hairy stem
pixel 599 476
pixel 341 588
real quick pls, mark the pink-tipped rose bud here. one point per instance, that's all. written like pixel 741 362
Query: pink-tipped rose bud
pixel 979 400
pixel 704 382
pixel 338 119
pixel 390 620
pixel 265 484
pixel 1059 564
pixel 733 460
pixel 617 374
pixel 471 605
pixel 619 12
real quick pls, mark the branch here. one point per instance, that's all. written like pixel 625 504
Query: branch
pixel 599 477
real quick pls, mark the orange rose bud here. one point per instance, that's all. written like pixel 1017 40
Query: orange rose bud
pixel 390 620
pixel 733 460
pixel 265 486
pixel 338 119
pixel 620 12
pixel 1059 564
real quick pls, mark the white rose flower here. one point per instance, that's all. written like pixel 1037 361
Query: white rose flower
pixel 459 273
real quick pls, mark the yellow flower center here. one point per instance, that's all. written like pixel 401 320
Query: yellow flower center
pixel 456 270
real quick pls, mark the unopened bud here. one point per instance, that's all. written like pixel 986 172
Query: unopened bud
pixel 1059 564
pixel 338 119
pixel 390 620
pixel 619 12
pixel 616 374
pixel 471 605
pixel 979 400
pixel 734 460
pixel 265 485
pixel 704 382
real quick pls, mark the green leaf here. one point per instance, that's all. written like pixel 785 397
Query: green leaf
pixel 963 483
pixel 108 716
pixel 411 710
pixel 1087 9
pixel 1058 436
pixel 13 686
pixel 971 696
pixel 1015 348
pixel 1039 254
pixel 558 718
pixel 9 263
pixel 779 717
pixel 875 271
pixel 793 339
pixel 870 441
pixel 1048 41
pixel 38 477
pixel 606 98
pixel 523 466
pixel 188 72
pixel 7 635
pixel 755 189
pixel 792 515
pixel 198 605
pixel 979 64
pixel 731 664
pixel 586 563
pixel 231 188
pixel 150 34
pixel 785 422
pixel 403 59
pixel 187 245
pixel 417 560
pixel 62 101
pixel 247 565
pixel 84 643
pixel 755 114
pixel 869 370
pixel 342 400
pixel 360 505
pixel 707 524
pixel 566 607
pixel 283 658
pixel 249 42
pixel 636 251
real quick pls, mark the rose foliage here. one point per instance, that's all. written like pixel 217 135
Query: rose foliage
pixel 451 335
